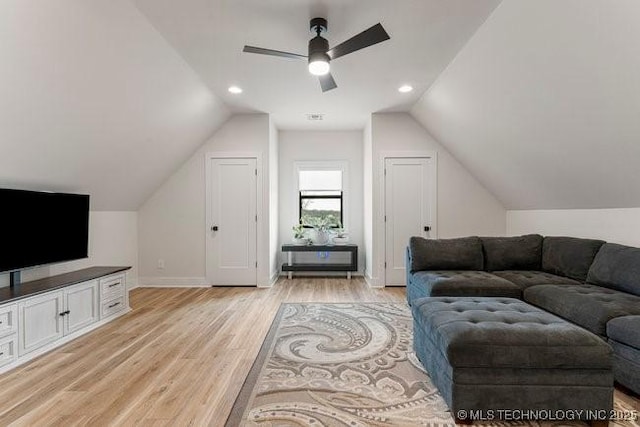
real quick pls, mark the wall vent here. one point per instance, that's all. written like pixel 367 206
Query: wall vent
pixel 316 117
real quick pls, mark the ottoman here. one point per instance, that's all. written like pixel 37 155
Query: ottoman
pixel 498 357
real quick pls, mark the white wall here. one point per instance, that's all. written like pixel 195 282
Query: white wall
pixel 113 241
pixel 465 207
pixel 368 198
pixel 171 224
pixel 93 100
pixel 613 225
pixel 322 146
pixel 274 208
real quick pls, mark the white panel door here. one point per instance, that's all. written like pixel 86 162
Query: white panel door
pixel 232 222
pixel 40 321
pixel 408 210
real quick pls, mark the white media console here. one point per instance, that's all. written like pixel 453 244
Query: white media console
pixel 38 316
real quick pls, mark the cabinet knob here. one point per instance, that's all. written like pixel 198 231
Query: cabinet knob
pixel 427 228
pixel 214 228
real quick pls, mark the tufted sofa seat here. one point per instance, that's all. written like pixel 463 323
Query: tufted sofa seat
pixel 461 283
pixel 527 278
pixel 488 353
pixel 589 306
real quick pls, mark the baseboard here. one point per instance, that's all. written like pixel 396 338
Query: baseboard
pixel 373 282
pixel 272 280
pixel 173 282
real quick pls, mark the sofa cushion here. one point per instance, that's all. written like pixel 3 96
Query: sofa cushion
pixel 525 279
pixel 459 283
pixel 569 256
pixel 589 306
pixel 625 330
pixel 446 254
pixel 617 267
pixel 505 333
pixel 512 253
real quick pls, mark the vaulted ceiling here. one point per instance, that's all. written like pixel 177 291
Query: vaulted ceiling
pixel 93 100
pixel 210 35
pixel 543 104
pixel 537 98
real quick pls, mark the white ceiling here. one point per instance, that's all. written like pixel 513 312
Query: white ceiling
pixel 210 34
pixel 542 105
pixel 93 100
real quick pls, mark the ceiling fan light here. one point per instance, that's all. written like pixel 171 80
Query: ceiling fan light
pixel 319 62
pixel 319 68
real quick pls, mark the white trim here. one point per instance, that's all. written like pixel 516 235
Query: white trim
pixel 371 281
pixel 262 261
pixel 172 282
pixel 379 234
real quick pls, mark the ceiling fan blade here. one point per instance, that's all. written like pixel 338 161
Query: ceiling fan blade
pixel 263 51
pixel 369 37
pixel 327 83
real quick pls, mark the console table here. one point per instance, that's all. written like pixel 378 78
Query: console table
pixel 290 266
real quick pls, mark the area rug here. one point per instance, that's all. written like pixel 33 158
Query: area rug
pixel 342 365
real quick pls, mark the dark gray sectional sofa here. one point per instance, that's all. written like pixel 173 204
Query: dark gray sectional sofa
pixel 593 284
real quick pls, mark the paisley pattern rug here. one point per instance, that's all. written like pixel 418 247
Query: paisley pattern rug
pixel 342 365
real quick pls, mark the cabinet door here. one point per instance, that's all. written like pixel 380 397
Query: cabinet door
pixel 40 321
pixel 8 324
pixel 82 306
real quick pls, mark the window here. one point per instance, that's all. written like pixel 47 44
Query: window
pixel 320 195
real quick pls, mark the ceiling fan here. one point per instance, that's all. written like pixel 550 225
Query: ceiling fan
pixel 320 55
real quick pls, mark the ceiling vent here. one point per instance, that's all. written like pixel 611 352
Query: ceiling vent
pixel 315 117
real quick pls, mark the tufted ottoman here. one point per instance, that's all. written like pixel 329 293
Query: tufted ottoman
pixel 504 355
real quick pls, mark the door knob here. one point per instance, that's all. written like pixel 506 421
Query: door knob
pixel 214 228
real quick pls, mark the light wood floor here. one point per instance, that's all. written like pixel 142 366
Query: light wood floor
pixel 179 358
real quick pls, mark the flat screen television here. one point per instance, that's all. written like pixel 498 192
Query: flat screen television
pixel 38 228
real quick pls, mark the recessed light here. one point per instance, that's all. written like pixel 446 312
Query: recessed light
pixel 405 89
pixel 235 90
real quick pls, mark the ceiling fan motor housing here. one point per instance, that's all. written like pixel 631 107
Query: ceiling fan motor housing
pixel 318 46
pixel 318 25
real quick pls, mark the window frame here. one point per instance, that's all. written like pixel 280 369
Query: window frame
pixel 328 165
pixel 340 197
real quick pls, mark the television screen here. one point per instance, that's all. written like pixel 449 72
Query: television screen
pixel 39 228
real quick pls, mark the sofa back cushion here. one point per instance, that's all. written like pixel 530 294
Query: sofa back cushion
pixel 569 256
pixel 445 254
pixel 617 267
pixel 512 253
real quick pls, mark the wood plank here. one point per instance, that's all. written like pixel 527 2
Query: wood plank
pixel 179 358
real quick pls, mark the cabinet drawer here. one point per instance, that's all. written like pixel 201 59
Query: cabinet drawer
pixel 8 347
pixel 111 307
pixel 112 287
pixel 8 319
